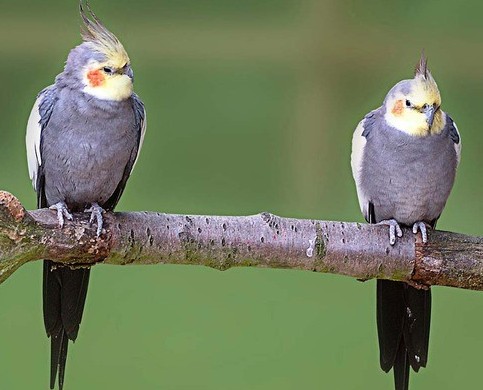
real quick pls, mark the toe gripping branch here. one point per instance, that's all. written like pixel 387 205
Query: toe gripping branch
pixel 62 212
pixel 96 215
pixel 395 230
pixel 421 226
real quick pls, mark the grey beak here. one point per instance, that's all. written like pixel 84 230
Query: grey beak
pixel 128 72
pixel 429 112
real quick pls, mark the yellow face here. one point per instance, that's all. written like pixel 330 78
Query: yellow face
pixel 108 80
pixel 418 112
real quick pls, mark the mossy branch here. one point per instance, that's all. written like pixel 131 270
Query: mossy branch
pixel 264 240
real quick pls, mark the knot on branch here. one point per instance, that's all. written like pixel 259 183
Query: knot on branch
pixel 13 220
pixel 11 210
pixel 271 220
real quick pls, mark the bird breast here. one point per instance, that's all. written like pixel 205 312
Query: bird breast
pixel 407 178
pixel 85 150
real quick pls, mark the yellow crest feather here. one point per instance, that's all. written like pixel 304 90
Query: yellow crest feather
pixel 100 38
pixel 422 67
pixel 424 80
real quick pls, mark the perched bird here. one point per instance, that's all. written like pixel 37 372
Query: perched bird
pixel 404 159
pixel 83 138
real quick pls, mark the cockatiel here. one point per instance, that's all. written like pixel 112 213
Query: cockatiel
pixel 83 138
pixel 404 160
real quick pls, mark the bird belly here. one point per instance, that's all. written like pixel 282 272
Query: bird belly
pixel 85 167
pixel 407 189
pixel 407 204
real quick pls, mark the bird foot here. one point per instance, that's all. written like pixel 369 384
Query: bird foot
pixel 96 215
pixel 394 229
pixel 62 211
pixel 421 226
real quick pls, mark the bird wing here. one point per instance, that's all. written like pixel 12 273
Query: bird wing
pixel 140 123
pixel 39 117
pixel 454 134
pixel 359 140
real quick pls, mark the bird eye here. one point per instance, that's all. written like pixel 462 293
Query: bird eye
pixel 108 70
pixel 425 106
pixel 408 103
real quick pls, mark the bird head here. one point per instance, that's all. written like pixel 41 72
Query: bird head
pixel 413 106
pixel 99 66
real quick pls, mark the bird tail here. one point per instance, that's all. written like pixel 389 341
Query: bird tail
pixel 403 322
pixel 64 295
pixel 401 368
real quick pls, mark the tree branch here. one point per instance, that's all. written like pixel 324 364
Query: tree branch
pixel 264 240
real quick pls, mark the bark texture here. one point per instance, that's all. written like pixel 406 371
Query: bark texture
pixel 264 240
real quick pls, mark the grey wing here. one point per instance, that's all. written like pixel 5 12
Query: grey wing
pixel 140 123
pixel 38 120
pixel 359 140
pixel 454 134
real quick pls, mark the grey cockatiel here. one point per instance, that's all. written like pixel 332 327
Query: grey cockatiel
pixel 83 138
pixel 404 159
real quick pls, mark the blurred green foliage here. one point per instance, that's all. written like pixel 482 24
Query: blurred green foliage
pixel 251 107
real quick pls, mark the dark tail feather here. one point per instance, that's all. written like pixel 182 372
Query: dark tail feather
pixel 390 320
pixel 62 360
pixel 401 368
pixel 416 333
pixel 58 355
pixel 403 321
pixel 64 295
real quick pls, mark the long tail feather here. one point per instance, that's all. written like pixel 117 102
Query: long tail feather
pixel 64 297
pixel 403 322
pixel 401 368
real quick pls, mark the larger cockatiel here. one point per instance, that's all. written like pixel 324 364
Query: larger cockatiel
pixel 83 139
pixel 404 159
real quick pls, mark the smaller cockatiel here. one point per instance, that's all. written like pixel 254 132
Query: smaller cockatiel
pixel 83 138
pixel 404 159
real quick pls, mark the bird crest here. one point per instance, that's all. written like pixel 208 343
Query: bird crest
pixel 424 80
pixel 100 38
pixel 422 67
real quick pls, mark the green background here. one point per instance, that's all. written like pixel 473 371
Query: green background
pixel 251 107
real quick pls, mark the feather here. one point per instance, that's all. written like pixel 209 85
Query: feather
pixel 99 37
pixel 32 142
pixel 422 67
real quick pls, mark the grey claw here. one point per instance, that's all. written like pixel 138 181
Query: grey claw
pixel 96 215
pixel 394 230
pixel 62 211
pixel 392 234
pixel 421 226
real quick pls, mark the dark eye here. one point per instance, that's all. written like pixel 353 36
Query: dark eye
pixel 425 106
pixel 108 70
pixel 408 103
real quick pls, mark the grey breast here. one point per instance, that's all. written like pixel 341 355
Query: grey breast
pixel 85 148
pixel 407 178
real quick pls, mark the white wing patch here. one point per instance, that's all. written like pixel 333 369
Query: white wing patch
pixel 141 140
pixel 358 145
pixel 457 147
pixel 32 141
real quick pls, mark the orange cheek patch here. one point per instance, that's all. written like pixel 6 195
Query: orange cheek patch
pixel 96 78
pixel 398 108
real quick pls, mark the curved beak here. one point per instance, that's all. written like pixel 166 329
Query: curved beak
pixel 127 70
pixel 429 112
